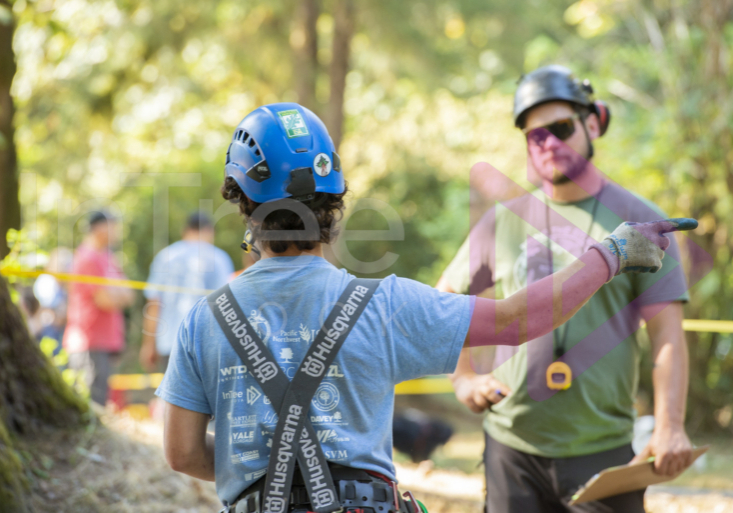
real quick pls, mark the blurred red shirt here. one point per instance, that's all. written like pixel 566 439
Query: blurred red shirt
pixel 89 328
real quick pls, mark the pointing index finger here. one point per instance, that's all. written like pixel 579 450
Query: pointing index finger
pixel 677 224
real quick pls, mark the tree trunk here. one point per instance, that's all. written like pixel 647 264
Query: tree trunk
pixel 304 41
pixel 32 395
pixel 9 204
pixel 343 31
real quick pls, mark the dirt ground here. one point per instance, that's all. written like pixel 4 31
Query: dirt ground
pixel 117 466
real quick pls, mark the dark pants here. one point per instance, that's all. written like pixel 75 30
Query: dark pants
pixel 95 368
pixel 517 482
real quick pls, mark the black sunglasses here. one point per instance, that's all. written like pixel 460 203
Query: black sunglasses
pixel 563 129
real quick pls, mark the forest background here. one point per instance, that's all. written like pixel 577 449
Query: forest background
pixel 112 96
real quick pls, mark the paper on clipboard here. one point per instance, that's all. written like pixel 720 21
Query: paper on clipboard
pixel 626 478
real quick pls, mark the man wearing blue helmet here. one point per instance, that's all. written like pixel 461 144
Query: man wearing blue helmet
pixel 303 420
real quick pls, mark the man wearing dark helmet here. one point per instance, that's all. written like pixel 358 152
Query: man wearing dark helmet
pixel 545 439
pixel 297 360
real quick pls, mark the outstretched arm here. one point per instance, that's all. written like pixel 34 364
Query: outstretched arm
pixel 550 302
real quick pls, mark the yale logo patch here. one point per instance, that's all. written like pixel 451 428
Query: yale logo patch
pixel 293 123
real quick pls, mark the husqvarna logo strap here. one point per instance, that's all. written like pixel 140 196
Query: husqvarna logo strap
pixel 313 365
pixel 262 369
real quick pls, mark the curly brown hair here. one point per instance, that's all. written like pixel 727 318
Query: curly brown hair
pixel 327 208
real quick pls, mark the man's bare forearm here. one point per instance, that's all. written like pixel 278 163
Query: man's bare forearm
pixel 671 365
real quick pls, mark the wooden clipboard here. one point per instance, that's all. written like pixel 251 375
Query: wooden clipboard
pixel 625 478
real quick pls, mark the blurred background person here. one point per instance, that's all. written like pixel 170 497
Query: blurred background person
pixel 95 331
pixel 53 296
pixel 194 263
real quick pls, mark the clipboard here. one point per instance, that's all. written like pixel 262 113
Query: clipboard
pixel 625 478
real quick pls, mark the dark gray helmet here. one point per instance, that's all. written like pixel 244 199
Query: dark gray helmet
pixel 556 83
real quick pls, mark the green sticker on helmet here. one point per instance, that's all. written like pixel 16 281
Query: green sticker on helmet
pixel 293 123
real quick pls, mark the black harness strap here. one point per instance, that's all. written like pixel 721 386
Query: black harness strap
pixel 291 399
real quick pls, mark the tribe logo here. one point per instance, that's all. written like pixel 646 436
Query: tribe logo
pixel 233 372
pixel 242 437
pixel 245 456
pixel 327 397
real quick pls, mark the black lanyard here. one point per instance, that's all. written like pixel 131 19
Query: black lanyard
pixel 559 345
pixel 294 436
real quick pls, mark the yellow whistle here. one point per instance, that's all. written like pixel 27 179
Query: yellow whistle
pixel 559 376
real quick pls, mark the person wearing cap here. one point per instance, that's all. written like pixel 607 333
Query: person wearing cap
pixel 95 329
pixel 192 263
pixel 297 360
pixel 544 439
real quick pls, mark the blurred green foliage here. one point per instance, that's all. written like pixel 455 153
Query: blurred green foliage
pixel 108 90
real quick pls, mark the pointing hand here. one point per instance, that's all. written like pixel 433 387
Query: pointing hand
pixel 639 247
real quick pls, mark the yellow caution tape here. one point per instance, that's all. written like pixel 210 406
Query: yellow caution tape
pixel 424 386
pixel 135 381
pixel 705 325
pixel 101 280
pixel 145 381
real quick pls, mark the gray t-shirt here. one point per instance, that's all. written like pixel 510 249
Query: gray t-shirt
pixel 508 249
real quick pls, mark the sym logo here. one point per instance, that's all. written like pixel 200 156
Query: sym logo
pixel 336 455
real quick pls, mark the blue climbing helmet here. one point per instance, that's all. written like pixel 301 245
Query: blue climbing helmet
pixel 283 150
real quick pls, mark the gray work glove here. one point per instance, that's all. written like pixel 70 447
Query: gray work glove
pixel 639 247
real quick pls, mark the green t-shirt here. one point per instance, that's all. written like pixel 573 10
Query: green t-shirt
pixel 596 413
